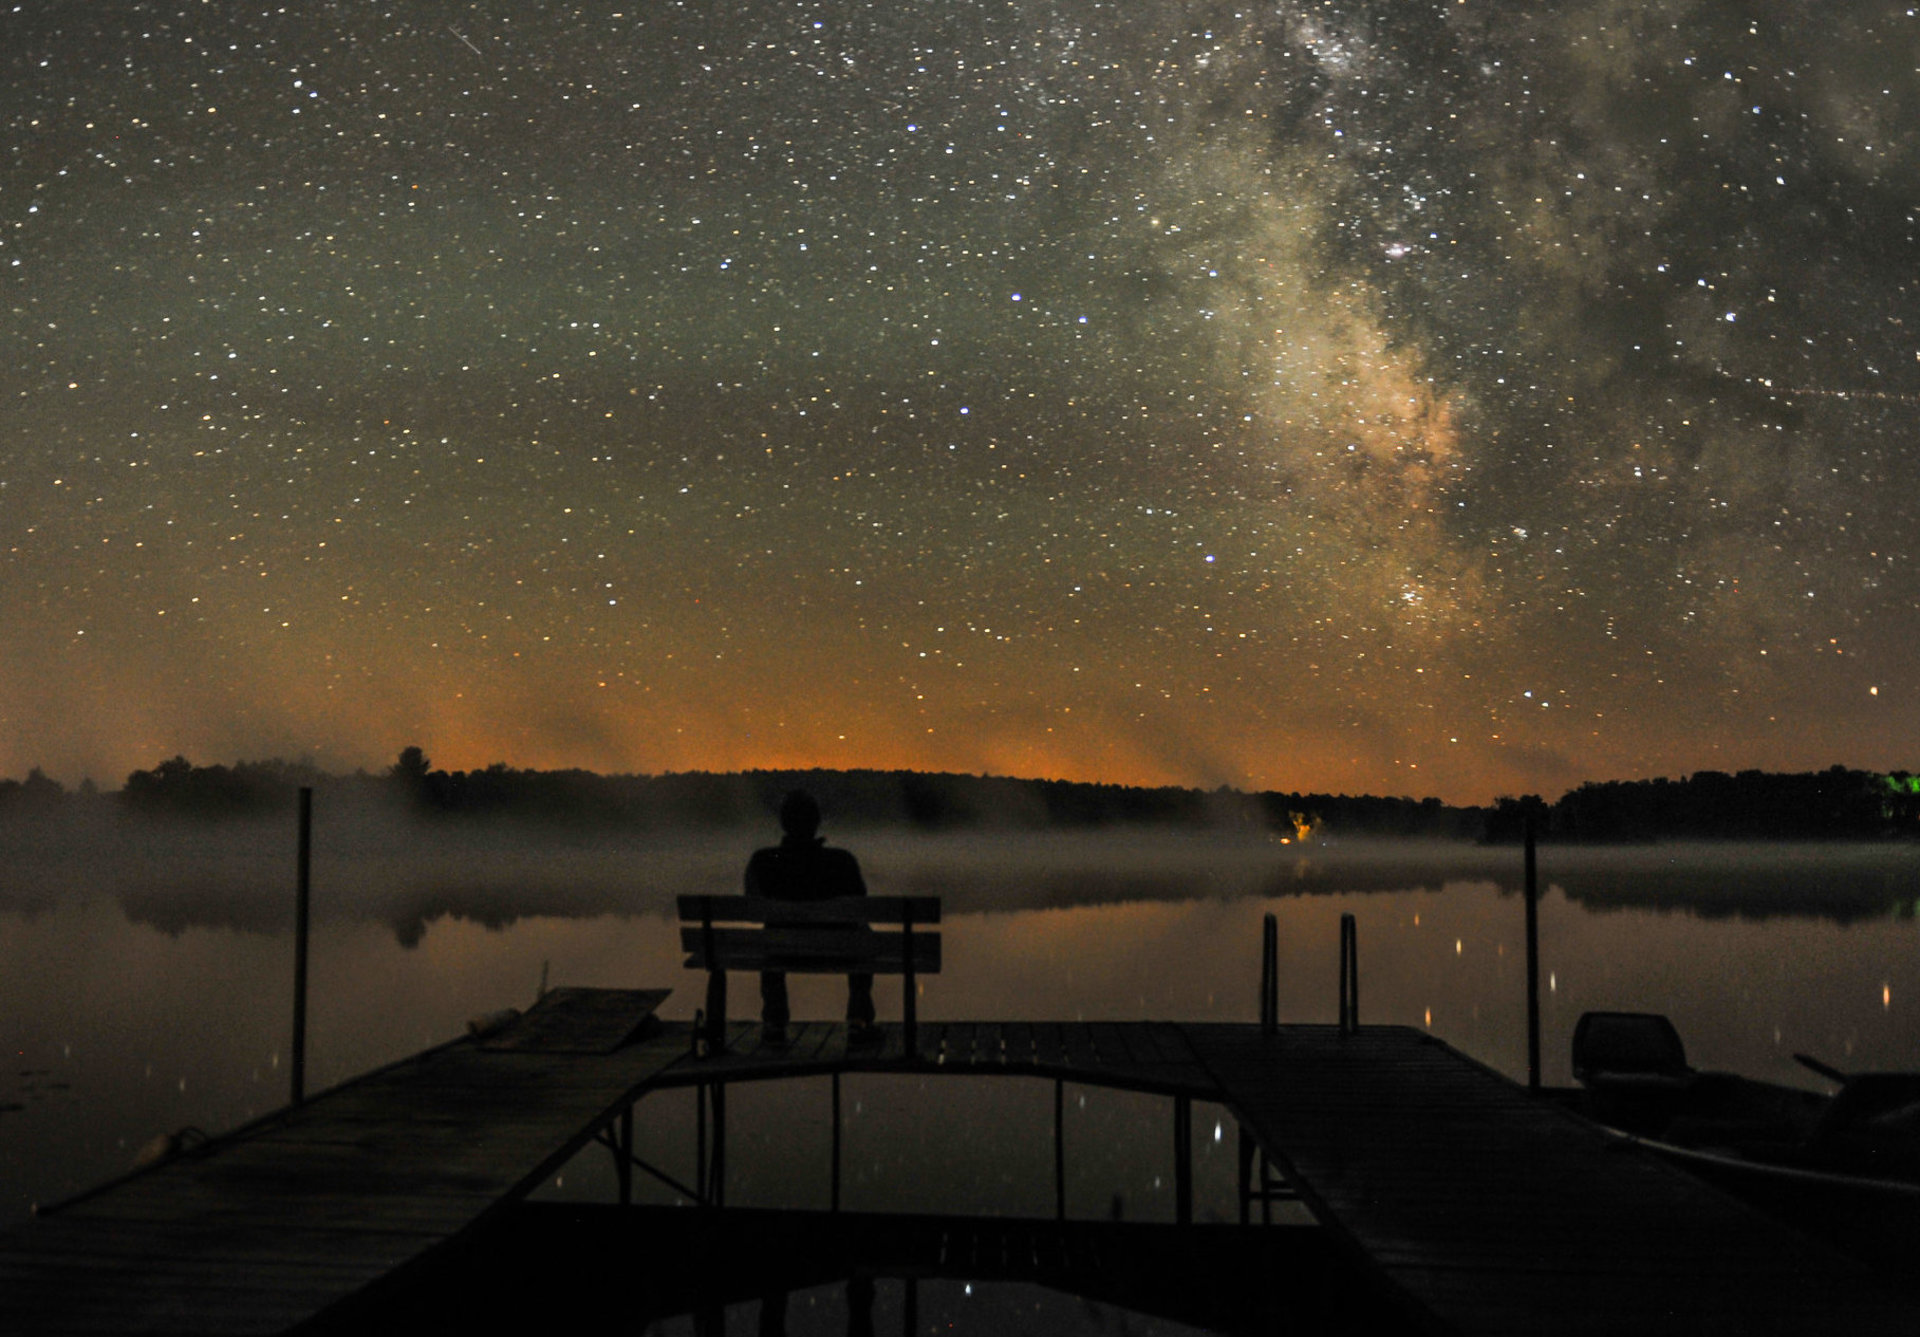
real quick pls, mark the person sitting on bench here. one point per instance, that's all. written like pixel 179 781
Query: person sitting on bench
pixel 803 867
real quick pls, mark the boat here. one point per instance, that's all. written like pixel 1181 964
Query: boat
pixel 1843 1168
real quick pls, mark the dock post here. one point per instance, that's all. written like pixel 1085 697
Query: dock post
pixel 1349 975
pixel 1269 976
pixel 1532 893
pixel 623 1156
pixel 909 991
pixel 836 1143
pixel 1059 1150
pixel 700 1140
pixel 1183 1160
pixel 716 983
pixel 1244 1180
pixel 717 1191
pixel 302 898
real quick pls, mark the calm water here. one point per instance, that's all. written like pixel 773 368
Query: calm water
pixel 145 981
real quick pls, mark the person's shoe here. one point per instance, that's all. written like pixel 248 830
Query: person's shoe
pixel 776 1036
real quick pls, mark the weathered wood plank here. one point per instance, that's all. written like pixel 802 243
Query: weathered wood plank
pixel 266 1227
pixel 1499 1213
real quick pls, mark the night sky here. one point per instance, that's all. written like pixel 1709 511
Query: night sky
pixel 1399 397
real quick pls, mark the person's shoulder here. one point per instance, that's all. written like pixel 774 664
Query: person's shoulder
pixel 762 865
pixel 841 871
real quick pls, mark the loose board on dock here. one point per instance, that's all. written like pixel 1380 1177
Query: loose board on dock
pixel 580 1021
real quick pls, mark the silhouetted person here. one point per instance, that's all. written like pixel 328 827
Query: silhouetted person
pixel 802 867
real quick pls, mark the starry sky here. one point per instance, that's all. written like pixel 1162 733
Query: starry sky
pixel 1407 397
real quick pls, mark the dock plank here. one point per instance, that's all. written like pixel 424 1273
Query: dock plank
pixel 1494 1212
pixel 295 1214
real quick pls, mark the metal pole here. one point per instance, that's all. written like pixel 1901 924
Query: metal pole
pixel 1059 1150
pixel 700 1140
pixel 718 1194
pixel 836 1142
pixel 1246 1174
pixel 1183 1160
pixel 1269 976
pixel 1532 892
pixel 1266 1189
pixel 1353 970
pixel 1349 974
pixel 623 1156
pixel 909 993
pixel 303 886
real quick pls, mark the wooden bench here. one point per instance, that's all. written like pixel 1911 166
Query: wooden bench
pixel 832 937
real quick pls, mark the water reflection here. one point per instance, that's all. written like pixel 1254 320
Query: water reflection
pixel 133 1003
pixel 238 875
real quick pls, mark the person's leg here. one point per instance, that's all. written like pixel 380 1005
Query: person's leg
pixel 860 999
pixel 773 999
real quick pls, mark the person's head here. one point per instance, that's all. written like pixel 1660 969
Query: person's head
pixel 799 814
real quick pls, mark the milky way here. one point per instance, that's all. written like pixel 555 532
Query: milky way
pixel 1414 398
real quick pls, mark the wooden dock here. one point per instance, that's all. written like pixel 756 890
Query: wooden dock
pixel 1469 1205
pixel 1491 1211
pixel 321 1204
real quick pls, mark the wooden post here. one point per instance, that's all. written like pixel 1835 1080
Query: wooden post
pixel 700 1141
pixel 717 1193
pixel 1183 1160
pixel 302 897
pixel 1349 974
pixel 1059 1150
pixel 1532 894
pixel 909 1001
pixel 623 1156
pixel 836 1142
pixel 1244 1173
pixel 1269 976
pixel 716 983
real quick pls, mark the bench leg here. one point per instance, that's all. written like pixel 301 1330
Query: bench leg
pixel 716 1011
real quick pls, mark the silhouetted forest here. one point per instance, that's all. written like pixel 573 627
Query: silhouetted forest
pixel 1835 804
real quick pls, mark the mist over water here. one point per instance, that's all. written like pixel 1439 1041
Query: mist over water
pixel 145 971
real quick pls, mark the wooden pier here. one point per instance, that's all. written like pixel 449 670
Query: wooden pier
pixel 1455 1197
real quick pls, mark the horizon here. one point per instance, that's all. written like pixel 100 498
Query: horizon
pixel 1370 399
pixel 389 772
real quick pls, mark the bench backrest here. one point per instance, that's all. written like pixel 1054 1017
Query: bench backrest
pixel 820 937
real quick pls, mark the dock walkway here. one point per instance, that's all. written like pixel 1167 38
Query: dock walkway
pixel 1492 1212
pixel 1476 1207
pixel 290 1216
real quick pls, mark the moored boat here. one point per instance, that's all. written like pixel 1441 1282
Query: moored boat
pixel 1843 1168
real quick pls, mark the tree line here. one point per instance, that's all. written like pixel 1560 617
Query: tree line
pixel 1835 804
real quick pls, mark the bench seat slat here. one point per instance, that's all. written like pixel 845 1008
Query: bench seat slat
pixel 844 909
pixel 809 950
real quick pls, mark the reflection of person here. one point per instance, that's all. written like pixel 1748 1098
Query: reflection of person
pixel 802 867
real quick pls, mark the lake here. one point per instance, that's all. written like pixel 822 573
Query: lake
pixel 145 979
